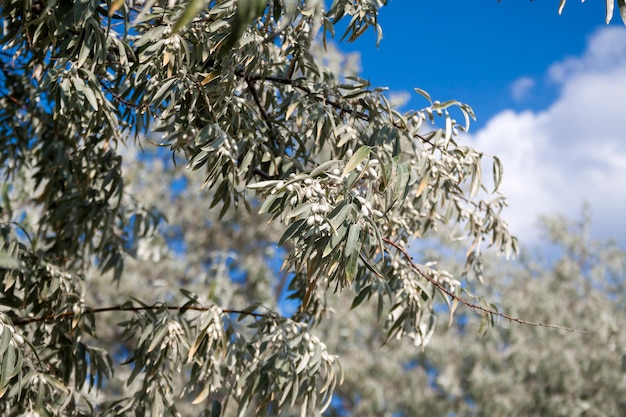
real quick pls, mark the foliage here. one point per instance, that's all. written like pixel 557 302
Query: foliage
pixel 283 149
pixel 511 370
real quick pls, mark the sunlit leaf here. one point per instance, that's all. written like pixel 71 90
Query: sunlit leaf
pixel 497 173
pixel 7 261
pixel 192 9
pixel 358 157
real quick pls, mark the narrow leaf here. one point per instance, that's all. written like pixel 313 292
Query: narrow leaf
pixel 292 230
pixel 91 97
pixel 162 91
pixel 622 9
pixel 476 179
pixel 7 261
pixel 365 292
pixel 402 179
pixel 292 107
pixel 353 247
pixel 263 184
pixel 267 205
pixel 339 214
pixel 358 157
pixel 5 339
pixel 453 306
pixel 7 367
pixel 497 173
pixel 423 93
pixel 609 10
pixel 203 395
pixel 212 75
pixel 192 9
pixel 115 6
pixel 353 238
pixel 323 167
pixel 422 186
pixel 157 339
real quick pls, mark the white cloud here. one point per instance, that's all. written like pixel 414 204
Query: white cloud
pixel 398 98
pixel 521 88
pixel 605 50
pixel 572 152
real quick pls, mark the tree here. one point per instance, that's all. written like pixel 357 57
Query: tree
pixel 510 370
pixel 575 374
pixel 124 292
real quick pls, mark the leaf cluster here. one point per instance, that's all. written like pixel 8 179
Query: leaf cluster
pixel 234 91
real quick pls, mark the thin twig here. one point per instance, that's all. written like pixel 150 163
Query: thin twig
pixel 474 307
pixel 141 107
pixel 361 115
pixel 181 309
pixel 265 116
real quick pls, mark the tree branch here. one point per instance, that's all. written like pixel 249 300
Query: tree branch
pixel 265 116
pixel 478 309
pixel 182 309
pixel 361 115
pixel 140 107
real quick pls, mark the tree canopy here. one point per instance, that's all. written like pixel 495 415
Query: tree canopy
pixel 154 154
pixel 510 370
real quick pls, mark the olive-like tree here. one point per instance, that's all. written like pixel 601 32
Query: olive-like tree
pixel 131 285
pixel 510 370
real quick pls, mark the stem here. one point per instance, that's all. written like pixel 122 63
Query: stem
pixel 181 309
pixel 478 309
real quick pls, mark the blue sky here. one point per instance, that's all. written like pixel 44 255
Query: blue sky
pixel 474 51
pixel 549 92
